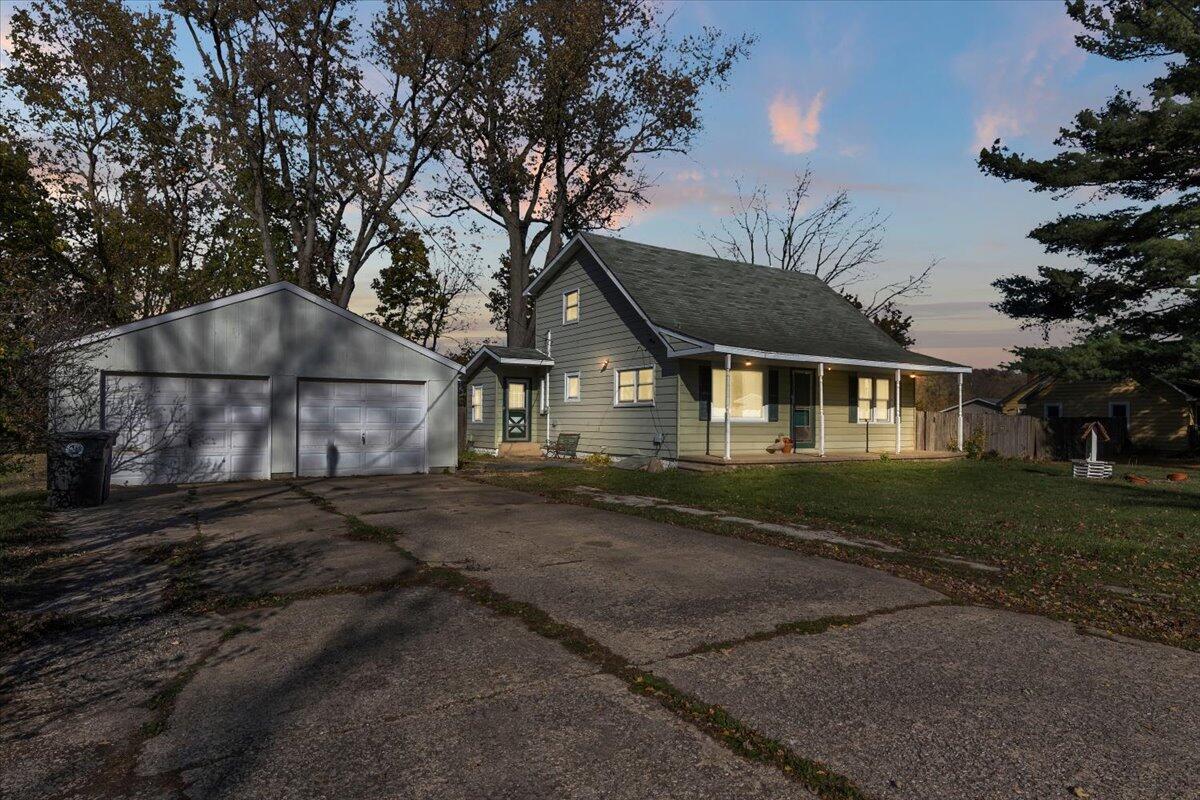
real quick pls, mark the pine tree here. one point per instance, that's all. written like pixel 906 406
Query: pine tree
pixel 1135 303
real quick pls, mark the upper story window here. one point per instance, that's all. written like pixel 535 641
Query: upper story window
pixel 635 387
pixel 746 390
pixel 874 399
pixel 570 306
pixel 476 404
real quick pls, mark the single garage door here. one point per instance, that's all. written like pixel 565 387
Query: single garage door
pixel 361 428
pixel 173 429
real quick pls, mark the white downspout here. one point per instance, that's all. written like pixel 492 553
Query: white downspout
pixel 548 389
pixel 821 405
pixel 728 392
pixel 960 425
pixel 898 404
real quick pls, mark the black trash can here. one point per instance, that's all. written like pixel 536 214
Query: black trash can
pixel 77 468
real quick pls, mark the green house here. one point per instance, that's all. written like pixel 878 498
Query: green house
pixel 649 351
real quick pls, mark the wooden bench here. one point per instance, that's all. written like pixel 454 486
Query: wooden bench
pixel 566 445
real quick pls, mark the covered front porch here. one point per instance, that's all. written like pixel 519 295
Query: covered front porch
pixel 734 407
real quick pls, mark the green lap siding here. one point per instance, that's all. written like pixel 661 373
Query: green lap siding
pixel 609 329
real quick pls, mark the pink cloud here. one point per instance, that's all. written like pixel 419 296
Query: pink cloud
pixel 794 126
pixel 994 124
pixel 1018 78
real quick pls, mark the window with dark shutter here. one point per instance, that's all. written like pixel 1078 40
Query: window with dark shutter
pixel 772 395
pixel 853 397
pixel 704 392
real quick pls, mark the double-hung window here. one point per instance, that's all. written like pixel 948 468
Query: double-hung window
pixel 570 306
pixel 746 392
pixel 635 387
pixel 874 399
pixel 571 387
pixel 476 404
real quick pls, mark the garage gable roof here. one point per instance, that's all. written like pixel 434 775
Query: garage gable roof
pixel 253 294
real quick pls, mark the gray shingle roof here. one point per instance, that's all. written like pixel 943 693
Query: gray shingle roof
pixel 747 306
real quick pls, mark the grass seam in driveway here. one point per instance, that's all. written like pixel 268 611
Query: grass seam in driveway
pixel 807 627
pixel 959 582
pixel 711 720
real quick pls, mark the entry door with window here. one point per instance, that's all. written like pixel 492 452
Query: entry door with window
pixel 516 410
pixel 803 432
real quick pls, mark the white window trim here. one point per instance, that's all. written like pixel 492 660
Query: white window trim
pixel 566 382
pixel 718 414
pixel 1046 406
pixel 474 408
pixel 634 403
pixel 578 306
pixel 891 411
pixel 1126 403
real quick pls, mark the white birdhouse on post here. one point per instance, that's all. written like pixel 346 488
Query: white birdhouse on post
pixel 1092 466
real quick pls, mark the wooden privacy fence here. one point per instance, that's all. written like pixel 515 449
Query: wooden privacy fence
pixel 1020 436
pixel 1011 437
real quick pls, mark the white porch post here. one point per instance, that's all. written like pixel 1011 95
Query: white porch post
pixel 728 392
pixel 898 404
pixel 821 407
pixel 960 430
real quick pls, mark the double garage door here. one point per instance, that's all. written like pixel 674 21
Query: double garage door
pixel 174 429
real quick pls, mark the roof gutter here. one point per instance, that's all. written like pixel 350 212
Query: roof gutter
pixel 703 348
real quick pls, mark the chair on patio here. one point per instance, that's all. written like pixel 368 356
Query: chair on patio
pixel 565 446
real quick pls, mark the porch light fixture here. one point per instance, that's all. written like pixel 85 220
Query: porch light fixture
pixel 604 365
pixel 748 363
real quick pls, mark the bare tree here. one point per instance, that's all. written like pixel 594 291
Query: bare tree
pixel 831 239
pixel 554 123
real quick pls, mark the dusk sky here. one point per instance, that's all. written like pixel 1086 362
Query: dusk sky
pixel 893 102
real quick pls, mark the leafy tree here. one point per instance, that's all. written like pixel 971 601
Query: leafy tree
pixel 42 305
pixel 554 122
pixel 497 296
pixel 316 153
pixel 417 299
pixel 121 150
pixel 1135 304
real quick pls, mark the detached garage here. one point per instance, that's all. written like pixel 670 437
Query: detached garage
pixel 273 382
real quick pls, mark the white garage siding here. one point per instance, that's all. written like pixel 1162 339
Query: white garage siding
pixel 352 428
pixel 285 337
pixel 176 429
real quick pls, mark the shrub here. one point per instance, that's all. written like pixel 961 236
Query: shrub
pixel 598 459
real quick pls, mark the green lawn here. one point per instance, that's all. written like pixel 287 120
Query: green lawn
pixel 1059 540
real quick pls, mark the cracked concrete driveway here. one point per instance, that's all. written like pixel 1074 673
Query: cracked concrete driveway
pixel 250 641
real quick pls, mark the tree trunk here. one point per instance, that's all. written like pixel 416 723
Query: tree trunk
pixel 520 326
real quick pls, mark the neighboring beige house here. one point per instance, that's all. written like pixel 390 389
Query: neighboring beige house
pixel 1160 415
pixel 639 348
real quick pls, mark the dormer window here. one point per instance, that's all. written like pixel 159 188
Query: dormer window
pixel 570 306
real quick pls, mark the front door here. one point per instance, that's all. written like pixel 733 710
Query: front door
pixel 803 433
pixel 516 409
